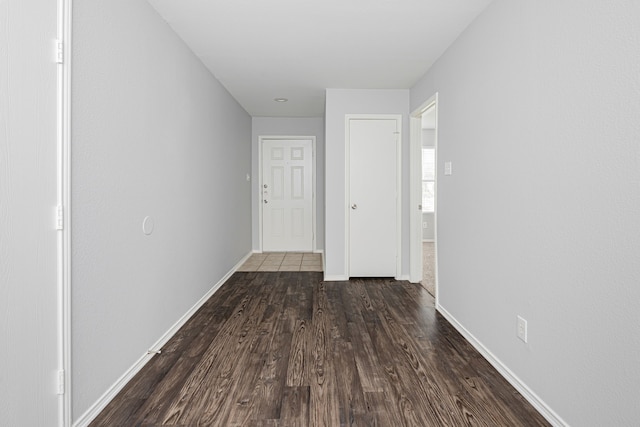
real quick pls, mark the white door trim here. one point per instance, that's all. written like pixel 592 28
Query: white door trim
pixel 415 193
pixel 398 119
pixel 263 138
pixel 63 120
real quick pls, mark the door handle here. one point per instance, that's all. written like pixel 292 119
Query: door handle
pixel 266 201
pixel 354 206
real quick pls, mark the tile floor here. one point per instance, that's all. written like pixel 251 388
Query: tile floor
pixel 283 261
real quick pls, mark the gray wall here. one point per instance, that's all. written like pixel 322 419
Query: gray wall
pixel 357 101
pixel 154 133
pixel 28 248
pixel 428 232
pixel 288 126
pixel 538 111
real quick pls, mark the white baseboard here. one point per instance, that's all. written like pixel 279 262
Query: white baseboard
pixel 404 277
pixel 108 396
pixel 512 378
pixel 315 251
pixel 335 278
pixel 428 241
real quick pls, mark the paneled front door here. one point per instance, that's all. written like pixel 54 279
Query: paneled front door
pixel 287 195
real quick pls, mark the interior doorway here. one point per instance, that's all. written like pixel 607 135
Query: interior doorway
pixel 423 192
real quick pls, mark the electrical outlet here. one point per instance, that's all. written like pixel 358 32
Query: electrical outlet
pixel 522 329
pixel 424 225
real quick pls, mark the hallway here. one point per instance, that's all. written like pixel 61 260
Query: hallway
pixel 286 349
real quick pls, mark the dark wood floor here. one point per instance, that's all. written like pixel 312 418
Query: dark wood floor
pixel 286 349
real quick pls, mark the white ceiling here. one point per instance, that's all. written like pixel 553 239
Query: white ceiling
pixel 265 49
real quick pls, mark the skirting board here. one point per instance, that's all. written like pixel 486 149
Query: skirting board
pixel 341 278
pixel 108 396
pixel 335 278
pixel 315 251
pixel 512 378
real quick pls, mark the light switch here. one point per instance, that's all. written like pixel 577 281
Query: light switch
pixel 448 168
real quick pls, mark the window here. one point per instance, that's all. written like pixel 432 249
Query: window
pixel 428 179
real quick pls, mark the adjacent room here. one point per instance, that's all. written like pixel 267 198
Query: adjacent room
pixel 319 213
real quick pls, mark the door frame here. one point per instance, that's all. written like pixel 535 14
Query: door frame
pixel 347 190
pixel 415 193
pixel 263 138
pixel 63 215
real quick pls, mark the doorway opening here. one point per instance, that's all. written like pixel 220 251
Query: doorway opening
pixel 423 196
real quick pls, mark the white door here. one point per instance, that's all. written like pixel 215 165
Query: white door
pixel 373 197
pixel 287 195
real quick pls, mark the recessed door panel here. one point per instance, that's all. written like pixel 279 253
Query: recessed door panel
pixel 297 222
pixel 297 153
pixel 297 182
pixel 277 183
pixel 277 222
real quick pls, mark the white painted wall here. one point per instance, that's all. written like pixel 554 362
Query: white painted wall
pixel 287 126
pixel 340 102
pixel 154 133
pixel 28 358
pixel 538 111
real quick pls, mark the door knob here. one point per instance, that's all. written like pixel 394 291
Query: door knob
pixel 354 206
pixel 266 201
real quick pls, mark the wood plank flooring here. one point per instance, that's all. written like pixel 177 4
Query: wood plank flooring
pixel 286 349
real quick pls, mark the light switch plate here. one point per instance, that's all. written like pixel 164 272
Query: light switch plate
pixel 522 329
pixel 448 168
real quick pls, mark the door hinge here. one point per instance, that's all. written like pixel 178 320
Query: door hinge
pixel 59 52
pixel 61 381
pixel 59 217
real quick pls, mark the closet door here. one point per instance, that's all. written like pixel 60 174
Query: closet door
pixel 373 174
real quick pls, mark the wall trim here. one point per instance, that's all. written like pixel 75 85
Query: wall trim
pixel 539 404
pixel 415 191
pixel 121 382
pixel 63 196
pixel 315 251
pixel 335 278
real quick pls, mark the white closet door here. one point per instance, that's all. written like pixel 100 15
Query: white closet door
pixel 372 197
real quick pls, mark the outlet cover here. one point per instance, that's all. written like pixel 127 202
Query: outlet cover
pixel 522 329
